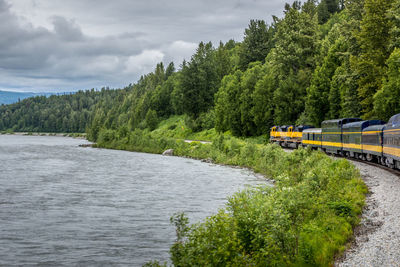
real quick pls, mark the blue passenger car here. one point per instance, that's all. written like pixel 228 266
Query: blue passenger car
pixel 372 141
pixel 352 137
pixel 391 142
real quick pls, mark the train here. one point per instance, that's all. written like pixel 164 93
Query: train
pixel 369 140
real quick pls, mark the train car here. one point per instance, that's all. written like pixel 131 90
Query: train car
pixel 294 135
pixel 312 137
pixel 278 134
pixel 391 142
pixel 372 141
pixel 352 135
pixel 332 134
pixel 283 134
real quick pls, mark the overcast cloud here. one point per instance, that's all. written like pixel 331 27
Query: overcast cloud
pixel 58 45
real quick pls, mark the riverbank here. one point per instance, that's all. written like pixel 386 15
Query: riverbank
pixel 74 135
pixel 307 218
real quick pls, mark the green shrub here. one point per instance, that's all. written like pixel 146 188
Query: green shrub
pixel 106 136
pixel 151 119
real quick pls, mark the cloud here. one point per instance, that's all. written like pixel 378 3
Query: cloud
pixel 180 50
pixel 76 44
pixel 144 62
pixel 67 30
pixel 64 55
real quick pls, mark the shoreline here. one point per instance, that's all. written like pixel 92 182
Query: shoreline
pixel 74 135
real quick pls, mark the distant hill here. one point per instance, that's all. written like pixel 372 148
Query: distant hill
pixel 58 113
pixel 7 97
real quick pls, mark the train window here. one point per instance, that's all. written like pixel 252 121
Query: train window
pixel 370 139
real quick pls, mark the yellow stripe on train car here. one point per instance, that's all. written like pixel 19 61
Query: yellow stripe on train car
pixel 371 132
pixel 309 142
pixel 335 144
pixel 354 146
pixel 392 151
pixel 392 130
pixel 372 148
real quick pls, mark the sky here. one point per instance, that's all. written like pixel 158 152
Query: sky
pixel 64 46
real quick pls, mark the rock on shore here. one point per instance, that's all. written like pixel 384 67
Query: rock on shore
pixel 168 152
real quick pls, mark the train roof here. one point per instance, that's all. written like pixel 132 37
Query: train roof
pixel 338 122
pixel 359 125
pixel 374 128
pixel 394 121
pixel 303 127
pixel 313 130
pixel 283 127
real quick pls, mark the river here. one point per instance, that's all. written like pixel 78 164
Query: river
pixel 65 205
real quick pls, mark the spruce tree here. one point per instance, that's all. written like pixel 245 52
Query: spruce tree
pixel 374 40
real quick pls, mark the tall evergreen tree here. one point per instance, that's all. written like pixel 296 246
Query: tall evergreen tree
pixel 374 40
pixel 256 44
pixel 387 99
pixel 293 61
pixel 227 106
pixel 199 81
pixel 263 109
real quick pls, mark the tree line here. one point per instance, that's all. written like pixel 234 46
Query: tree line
pixel 321 60
pixel 57 113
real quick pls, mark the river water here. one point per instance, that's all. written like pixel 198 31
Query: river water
pixel 65 205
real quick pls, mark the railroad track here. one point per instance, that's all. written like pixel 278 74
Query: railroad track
pixel 392 171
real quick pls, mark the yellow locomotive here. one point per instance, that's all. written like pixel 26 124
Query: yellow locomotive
pixel 288 136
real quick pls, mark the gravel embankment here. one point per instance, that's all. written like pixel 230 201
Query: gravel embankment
pixel 377 239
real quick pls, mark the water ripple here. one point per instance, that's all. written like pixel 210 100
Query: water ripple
pixel 63 205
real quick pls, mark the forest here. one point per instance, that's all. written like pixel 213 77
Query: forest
pixel 321 60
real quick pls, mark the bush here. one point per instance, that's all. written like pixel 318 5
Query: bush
pixel 206 120
pixel 106 136
pixel 151 119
